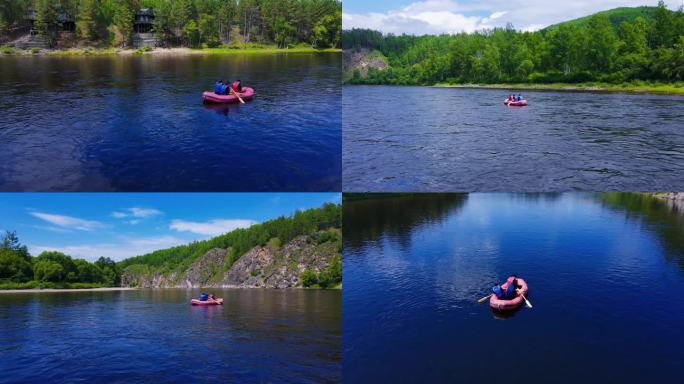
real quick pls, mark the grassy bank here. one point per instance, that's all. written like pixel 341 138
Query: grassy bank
pixel 634 87
pixel 49 285
pixel 231 50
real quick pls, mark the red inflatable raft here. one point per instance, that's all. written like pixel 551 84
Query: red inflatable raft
pixel 520 103
pixel 507 305
pixel 218 301
pixel 211 97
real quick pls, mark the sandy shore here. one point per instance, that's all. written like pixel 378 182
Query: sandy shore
pixel 38 290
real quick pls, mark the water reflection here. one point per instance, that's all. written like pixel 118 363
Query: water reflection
pixel 369 217
pixel 663 216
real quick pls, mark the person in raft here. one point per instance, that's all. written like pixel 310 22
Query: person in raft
pixel 510 292
pixel 218 87
pixel 519 97
pixel 237 86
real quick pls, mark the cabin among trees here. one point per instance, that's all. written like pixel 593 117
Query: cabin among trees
pixel 143 29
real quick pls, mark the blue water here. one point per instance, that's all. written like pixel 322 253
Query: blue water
pixel 606 279
pixel 139 124
pixel 464 140
pixel 257 336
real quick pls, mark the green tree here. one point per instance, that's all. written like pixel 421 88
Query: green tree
pixel 47 22
pixel 13 266
pixel 48 270
pixel 123 20
pixel 663 28
pixel 308 278
pixel 602 43
pixel 191 33
pixel 85 23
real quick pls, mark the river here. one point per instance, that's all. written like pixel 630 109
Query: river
pixel 257 336
pixel 465 140
pixel 605 273
pixel 137 123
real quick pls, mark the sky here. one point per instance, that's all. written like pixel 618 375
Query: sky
pixel 450 16
pixel 121 225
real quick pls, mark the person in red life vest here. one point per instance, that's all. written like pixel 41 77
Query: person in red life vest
pixel 237 86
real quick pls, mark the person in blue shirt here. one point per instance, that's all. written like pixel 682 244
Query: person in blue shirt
pixel 218 87
pixel 519 97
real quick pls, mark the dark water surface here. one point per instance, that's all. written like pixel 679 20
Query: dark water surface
pixel 606 278
pixel 257 336
pixel 437 139
pixel 138 124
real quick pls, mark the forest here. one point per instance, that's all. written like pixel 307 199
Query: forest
pixel 50 269
pixel 622 45
pixel 191 23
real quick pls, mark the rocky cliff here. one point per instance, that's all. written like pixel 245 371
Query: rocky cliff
pixel 357 62
pixel 270 266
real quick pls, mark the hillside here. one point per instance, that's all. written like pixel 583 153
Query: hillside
pixel 616 16
pixel 301 250
pixel 623 47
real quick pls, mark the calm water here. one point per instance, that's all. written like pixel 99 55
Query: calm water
pixel 257 336
pixel 606 278
pixel 434 139
pixel 138 124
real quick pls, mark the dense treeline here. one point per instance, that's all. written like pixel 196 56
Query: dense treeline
pixel 186 22
pixel 18 269
pixel 240 241
pixel 647 48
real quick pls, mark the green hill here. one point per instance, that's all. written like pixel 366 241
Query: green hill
pixel 616 16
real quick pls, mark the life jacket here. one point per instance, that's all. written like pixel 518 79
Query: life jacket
pixel 224 89
pixel 510 291
pixel 236 86
pixel 218 87
pixel 498 292
pixel 204 297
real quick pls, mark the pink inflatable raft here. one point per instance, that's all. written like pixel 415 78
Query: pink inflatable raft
pixel 218 301
pixel 507 305
pixel 520 103
pixel 211 97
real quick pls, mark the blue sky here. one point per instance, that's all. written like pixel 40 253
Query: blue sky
pixel 451 16
pixel 120 225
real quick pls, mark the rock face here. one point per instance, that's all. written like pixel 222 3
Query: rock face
pixel 271 266
pixel 362 60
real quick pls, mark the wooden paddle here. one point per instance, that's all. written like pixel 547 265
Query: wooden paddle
pixel 482 300
pixel 238 96
pixel 527 302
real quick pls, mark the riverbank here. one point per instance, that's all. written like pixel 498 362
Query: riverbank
pixel 160 51
pixel 53 290
pixel 636 87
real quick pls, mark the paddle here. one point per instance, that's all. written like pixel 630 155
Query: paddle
pixel 238 96
pixel 482 300
pixel 527 302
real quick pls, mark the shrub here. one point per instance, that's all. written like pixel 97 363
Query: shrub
pixel 308 278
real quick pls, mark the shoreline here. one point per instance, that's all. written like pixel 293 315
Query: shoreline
pixel 676 89
pixel 57 290
pixel 115 289
pixel 179 51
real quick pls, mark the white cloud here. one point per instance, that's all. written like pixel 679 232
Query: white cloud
pixel 211 227
pixel 140 213
pixel 68 222
pixel 448 16
pixel 127 247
